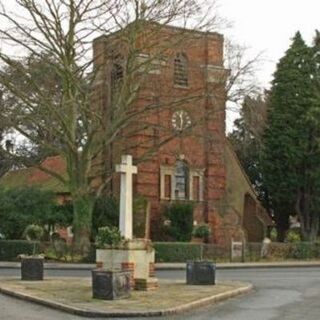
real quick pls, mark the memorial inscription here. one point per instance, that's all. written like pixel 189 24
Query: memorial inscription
pixel 110 285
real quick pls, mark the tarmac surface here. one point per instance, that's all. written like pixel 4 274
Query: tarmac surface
pixel 176 266
pixel 281 293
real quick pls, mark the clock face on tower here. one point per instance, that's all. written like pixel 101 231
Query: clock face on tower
pixel 181 120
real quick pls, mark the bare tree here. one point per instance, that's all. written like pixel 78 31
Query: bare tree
pixel 72 111
pixel 242 80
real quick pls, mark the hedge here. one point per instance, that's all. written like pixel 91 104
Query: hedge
pixel 183 251
pixel 305 250
pixel 177 251
pixel 11 249
pixel 284 251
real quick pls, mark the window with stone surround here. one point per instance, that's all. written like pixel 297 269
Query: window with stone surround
pixel 181 70
pixel 180 182
pixel 181 175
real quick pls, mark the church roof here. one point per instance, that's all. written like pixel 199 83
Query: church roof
pixel 33 176
pixel 238 184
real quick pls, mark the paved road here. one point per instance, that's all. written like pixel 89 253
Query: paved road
pixel 280 294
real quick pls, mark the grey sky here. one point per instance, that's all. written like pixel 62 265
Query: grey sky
pixel 268 26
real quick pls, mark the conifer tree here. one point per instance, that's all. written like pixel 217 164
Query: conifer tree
pixel 291 156
pixel 246 139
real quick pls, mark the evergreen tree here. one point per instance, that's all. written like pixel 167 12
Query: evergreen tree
pixel 246 141
pixel 291 156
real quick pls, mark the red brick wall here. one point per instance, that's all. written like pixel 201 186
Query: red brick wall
pixel 203 148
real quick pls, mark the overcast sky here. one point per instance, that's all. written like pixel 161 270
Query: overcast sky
pixel 265 25
pixel 268 26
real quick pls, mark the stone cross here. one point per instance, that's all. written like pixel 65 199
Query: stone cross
pixel 127 170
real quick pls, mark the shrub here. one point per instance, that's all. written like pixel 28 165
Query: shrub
pixel 33 232
pixel 316 250
pixel 105 213
pixel 201 231
pixel 279 250
pixel 181 217
pixel 160 229
pixel 252 251
pixel 177 251
pixel 11 249
pixel 216 252
pixel 293 235
pixel 274 235
pixel 91 256
pixel 23 206
pixel 108 236
pixel 302 250
pixel 140 210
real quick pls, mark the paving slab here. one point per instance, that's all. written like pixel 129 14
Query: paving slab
pixel 74 295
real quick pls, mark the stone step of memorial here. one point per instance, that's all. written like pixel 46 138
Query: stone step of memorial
pixel 146 284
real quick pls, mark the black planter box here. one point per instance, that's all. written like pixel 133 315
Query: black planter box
pixel 201 272
pixel 32 268
pixel 110 285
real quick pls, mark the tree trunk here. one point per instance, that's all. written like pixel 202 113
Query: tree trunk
pixel 309 220
pixel 82 221
pixel 310 228
pixel 282 224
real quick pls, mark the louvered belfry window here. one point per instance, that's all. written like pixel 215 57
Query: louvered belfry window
pixel 181 70
pixel 116 76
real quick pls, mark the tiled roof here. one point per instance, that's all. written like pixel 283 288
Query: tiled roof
pixel 36 177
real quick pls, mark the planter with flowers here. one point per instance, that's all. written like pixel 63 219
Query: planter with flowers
pixel 200 233
pixel 201 272
pixel 32 265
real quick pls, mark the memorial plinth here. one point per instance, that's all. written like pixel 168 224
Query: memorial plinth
pixel 136 256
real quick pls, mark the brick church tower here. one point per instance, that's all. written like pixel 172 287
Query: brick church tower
pixel 177 135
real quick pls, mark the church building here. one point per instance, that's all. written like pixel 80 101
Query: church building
pixel 183 101
pixel 179 142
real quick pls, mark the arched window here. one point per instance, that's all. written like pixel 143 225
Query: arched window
pixel 181 70
pixel 181 180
